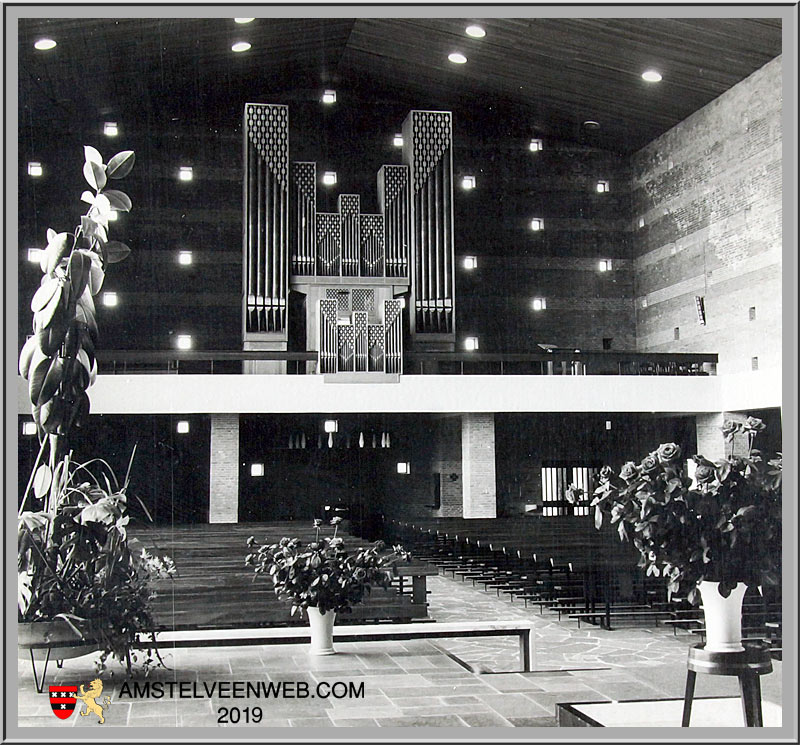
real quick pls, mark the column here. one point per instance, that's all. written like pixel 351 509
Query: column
pixel 710 441
pixel 477 456
pixel 223 506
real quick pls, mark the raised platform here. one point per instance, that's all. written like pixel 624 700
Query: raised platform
pixel 706 712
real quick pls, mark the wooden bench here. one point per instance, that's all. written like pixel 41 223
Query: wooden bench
pixel 369 633
pixel 606 615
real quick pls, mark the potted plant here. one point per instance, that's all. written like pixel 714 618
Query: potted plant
pixel 323 577
pixel 80 577
pixel 710 536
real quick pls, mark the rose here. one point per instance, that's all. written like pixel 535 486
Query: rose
pixel 649 464
pixel 629 472
pixel 753 424
pixel 606 472
pixel 336 520
pixel 729 429
pixel 317 523
pixel 668 452
pixel 704 474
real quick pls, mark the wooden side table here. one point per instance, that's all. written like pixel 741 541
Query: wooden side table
pixel 755 660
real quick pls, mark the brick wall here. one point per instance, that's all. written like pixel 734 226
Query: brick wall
pixel 707 222
pixel 447 463
pixel 478 458
pixel 224 489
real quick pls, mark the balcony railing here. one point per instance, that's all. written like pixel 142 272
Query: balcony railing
pixel 118 362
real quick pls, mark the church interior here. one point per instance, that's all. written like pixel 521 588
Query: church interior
pixel 430 276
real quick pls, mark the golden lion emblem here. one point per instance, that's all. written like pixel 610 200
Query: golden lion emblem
pixel 88 698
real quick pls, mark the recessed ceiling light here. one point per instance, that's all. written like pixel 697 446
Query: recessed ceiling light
pixel 475 31
pixel 241 46
pixel 243 20
pixel 457 58
pixel 329 96
pixel 44 44
pixel 591 124
pixel 651 76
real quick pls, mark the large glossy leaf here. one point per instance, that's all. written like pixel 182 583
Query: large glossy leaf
pixel 56 250
pixel 120 165
pixel 87 301
pixel 26 356
pixel 116 251
pixel 40 364
pixel 51 337
pixel 42 480
pixel 92 155
pixel 79 264
pixel 43 318
pixel 88 319
pixel 87 197
pixel 81 411
pixel 51 381
pixel 118 200
pixel 53 415
pixel 96 274
pixel 95 174
pixel 44 294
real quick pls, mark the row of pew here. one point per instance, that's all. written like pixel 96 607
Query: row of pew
pixel 564 566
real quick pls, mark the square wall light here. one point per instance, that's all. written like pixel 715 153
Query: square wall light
pixel 470 262
pixel 184 341
pixel 471 343
pixel 601 187
pixel 28 428
pixel 34 255
pixel 185 173
pixel 331 425
pixel 35 169
pixel 468 183
pixel 329 178
pixel 604 265
pixel 110 299
pixel 185 257
pixel 110 129
pixel 537 224
pixel 535 145
pixel 182 427
pixel 397 140
pixel 539 303
pixel 256 469
pixel 404 468
pixel 329 96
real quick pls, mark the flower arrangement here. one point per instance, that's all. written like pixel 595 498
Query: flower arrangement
pixel 724 525
pixel 323 574
pixel 76 564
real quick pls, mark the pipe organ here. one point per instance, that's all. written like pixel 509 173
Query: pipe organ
pixel 354 269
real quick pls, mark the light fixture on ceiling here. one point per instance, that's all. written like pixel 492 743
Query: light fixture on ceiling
pixel 35 169
pixel 241 46
pixel 185 173
pixel 185 258
pixel 475 31
pixel 397 140
pixel 44 44
pixel 651 76
pixel 110 299
pixel 329 96
pixel 184 341
pixel 110 129
pixel 182 427
pixel 243 20
pixel 329 178
pixel 457 58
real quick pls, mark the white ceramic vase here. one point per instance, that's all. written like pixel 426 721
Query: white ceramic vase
pixel 723 617
pixel 321 631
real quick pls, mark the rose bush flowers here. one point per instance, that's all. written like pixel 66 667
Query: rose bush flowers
pixel 323 574
pixel 724 525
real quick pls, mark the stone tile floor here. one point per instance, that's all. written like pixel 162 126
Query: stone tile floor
pixel 405 684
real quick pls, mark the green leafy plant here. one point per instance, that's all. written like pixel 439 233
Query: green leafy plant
pixel 323 574
pixel 724 525
pixel 76 563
